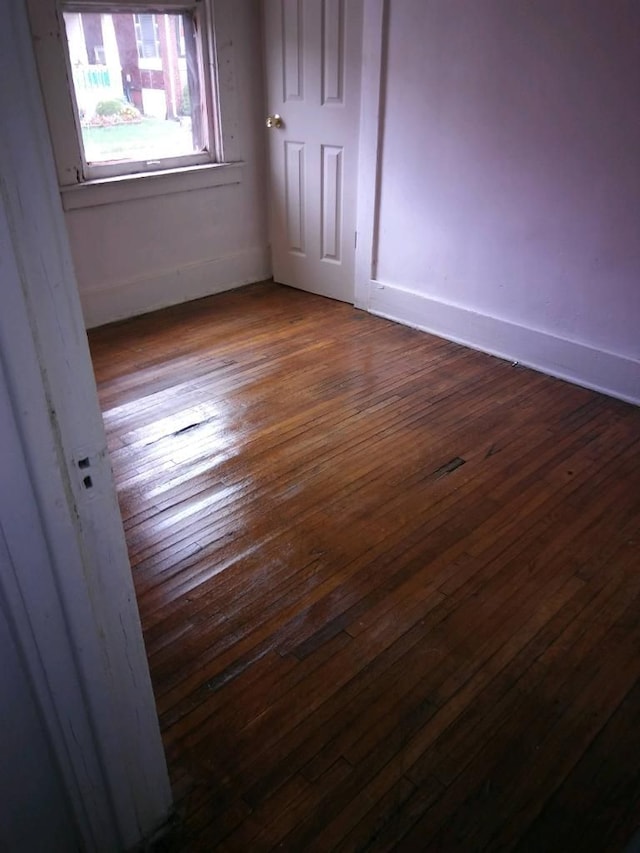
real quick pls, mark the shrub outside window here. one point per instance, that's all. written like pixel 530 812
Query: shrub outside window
pixel 142 89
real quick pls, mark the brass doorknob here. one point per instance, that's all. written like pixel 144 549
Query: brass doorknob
pixel 274 120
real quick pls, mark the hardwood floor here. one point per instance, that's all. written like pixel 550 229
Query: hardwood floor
pixel 389 586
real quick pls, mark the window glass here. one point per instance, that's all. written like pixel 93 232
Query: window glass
pixel 147 39
pixel 138 86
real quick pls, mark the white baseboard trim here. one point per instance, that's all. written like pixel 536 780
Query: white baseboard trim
pixel 170 287
pixel 612 374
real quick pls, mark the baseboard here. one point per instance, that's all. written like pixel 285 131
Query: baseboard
pixel 610 373
pixel 170 287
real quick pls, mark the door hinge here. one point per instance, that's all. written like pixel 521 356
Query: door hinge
pixel 355 240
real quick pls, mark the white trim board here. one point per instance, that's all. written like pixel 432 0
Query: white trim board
pixel 149 185
pixel 130 298
pixel 606 372
pixel 369 144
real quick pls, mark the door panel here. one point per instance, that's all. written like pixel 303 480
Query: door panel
pixel 332 202
pixel 294 196
pixel 313 58
pixel 333 12
pixel 292 48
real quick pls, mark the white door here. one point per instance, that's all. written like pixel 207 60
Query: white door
pixel 313 54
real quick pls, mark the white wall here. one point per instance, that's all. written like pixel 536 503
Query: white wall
pixel 144 253
pixel 510 181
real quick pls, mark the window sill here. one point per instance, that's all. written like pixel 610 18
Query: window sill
pixel 149 184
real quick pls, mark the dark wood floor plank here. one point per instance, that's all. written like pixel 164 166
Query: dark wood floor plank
pixel 563 725
pixel 601 784
pixel 389 586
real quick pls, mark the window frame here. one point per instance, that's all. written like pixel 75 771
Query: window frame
pixel 213 153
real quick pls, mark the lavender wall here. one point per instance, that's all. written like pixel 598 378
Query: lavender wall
pixel 510 176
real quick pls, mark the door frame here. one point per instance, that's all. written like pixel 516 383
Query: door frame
pixel 69 592
pixel 374 59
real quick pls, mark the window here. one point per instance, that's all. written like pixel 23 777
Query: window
pixel 147 39
pixel 142 87
pixel 180 36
